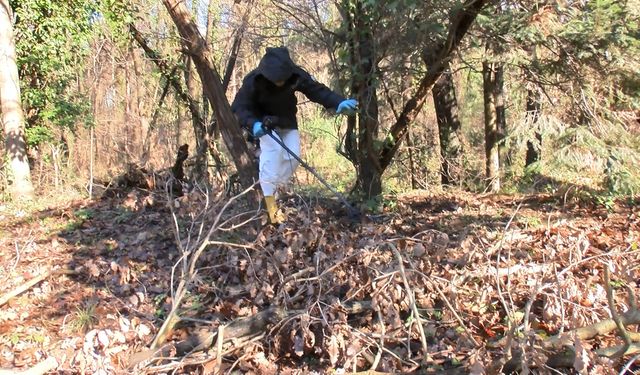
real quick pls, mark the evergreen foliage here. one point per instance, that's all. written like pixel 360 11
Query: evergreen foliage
pixel 52 44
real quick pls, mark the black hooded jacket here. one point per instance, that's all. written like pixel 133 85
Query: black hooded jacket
pixel 259 96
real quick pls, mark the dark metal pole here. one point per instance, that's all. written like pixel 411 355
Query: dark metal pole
pixel 352 210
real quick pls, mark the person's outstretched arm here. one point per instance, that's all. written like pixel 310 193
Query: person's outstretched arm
pixel 317 92
pixel 321 94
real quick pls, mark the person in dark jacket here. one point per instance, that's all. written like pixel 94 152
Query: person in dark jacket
pixel 266 101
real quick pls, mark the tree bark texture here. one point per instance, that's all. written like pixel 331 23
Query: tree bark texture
pixel 11 109
pixel 199 127
pixel 491 132
pixel 369 173
pixel 449 129
pixel 203 61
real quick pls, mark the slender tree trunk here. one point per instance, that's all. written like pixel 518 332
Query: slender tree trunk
pixel 412 163
pixel 415 168
pixel 201 55
pixel 534 146
pixel 534 106
pixel 491 133
pixel 192 91
pixel 11 109
pixel 369 173
pixel 449 129
pixel 212 126
pixel 360 40
pixel 501 113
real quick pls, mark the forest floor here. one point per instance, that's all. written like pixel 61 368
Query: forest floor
pixel 449 282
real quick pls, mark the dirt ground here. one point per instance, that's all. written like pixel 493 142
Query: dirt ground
pixel 435 283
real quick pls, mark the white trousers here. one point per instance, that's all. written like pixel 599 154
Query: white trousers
pixel 276 165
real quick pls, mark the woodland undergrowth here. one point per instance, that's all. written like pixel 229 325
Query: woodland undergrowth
pixel 442 283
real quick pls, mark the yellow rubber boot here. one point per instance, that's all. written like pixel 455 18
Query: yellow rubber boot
pixel 275 216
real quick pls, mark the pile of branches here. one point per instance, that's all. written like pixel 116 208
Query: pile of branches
pixel 400 296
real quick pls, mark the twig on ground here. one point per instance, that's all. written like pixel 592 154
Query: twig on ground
pixel 614 314
pixel 449 305
pixel 43 367
pixel 612 351
pixel 219 342
pixel 508 310
pixel 239 328
pixel 338 264
pixel 367 336
pixel 602 327
pixel 15 264
pixel 629 364
pixel 184 361
pixel 412 301
pixel 376 360
pixel 29 284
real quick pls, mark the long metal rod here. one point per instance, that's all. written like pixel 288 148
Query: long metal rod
pixel 352 210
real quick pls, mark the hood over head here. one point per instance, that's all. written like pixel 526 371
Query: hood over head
pixel 276 64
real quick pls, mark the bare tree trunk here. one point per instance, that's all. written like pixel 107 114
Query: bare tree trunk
pixel 132 107
pixel 11 109
pixel 412 163
pixel 501 115
pixel 491 134
pixel 199 127
pixel 211 125
pixel 534 106
pixel 449 129
pixel 534 146
pixel 201 55
pixel 369 171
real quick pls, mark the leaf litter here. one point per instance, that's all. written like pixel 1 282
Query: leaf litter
pixel 485 280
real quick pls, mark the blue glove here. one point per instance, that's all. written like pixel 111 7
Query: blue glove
pixel 347 107
pixel 258 130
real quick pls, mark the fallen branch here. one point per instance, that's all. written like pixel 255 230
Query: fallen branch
pixel 43 367
pixel 563 353
pixel 31 283
pixel 526 269
pixel 167 367
pixel 200 341
pixel 614 314
pixel 610 352
pixel 237 329
pixel 629 317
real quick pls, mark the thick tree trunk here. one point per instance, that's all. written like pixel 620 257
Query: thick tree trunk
pixel 491 133
pixel 534 146
pixel 202 137
pixel 449 129
pixel 201 56
pixel 11 109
